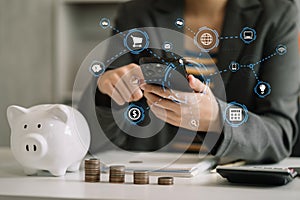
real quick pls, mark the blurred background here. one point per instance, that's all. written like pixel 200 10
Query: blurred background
pixel 42 44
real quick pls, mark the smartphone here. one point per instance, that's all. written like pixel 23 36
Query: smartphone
pixel 167 73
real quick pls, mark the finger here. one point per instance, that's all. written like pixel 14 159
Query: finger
pixel 164 115
pixel 115 95
pixel 103 86
pixel 123 90
pixel 157 90
pixel 137 95
pixel 133 80
pixel 196 84
pixel 175 96
pixel 162 103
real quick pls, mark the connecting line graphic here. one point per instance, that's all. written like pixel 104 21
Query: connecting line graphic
pixel 116 30
pixel 116 56
pixel 151 52
pixel 221 37
pixel 265 59
pixel 161 59
pixel 157 56
pixel 124 51
pixel 250 66
pixel 190 30
pixel 206 39
pixel 255 74
pixel 229 37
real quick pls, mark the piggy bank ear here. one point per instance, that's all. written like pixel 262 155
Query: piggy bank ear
pixel 13 112
pixel 60 112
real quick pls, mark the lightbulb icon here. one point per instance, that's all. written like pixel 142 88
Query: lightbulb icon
pixel 262 88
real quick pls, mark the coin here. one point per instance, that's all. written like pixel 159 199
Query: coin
pixel 140 177
pixel 92 179
pixel 92 173
pixel 92 170
pixel 92 161
pixel 117 168
pixel 117 174
pixel 165 181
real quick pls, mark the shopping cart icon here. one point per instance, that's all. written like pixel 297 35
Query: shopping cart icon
pixel 137 41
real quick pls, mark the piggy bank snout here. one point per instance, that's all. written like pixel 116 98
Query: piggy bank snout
pixel 34 146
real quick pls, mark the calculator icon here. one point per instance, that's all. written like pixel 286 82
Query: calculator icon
pixel 235 114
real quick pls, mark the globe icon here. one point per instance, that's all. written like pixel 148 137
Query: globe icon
pixel 206 39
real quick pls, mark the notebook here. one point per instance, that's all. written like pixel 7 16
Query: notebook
pixel 160 164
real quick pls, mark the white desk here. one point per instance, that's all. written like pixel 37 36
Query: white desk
pixel 15 185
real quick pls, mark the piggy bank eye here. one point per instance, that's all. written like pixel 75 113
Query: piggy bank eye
pixel 39 126
pixel 25 126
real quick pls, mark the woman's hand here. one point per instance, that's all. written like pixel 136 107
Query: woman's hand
pixel 195 111
pixel 122 84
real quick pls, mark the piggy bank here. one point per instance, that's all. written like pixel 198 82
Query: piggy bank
pixel 48 137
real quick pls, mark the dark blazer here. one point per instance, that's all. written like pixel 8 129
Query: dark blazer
pixel 271 130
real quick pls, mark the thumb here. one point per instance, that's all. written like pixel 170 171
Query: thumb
pixel 196 84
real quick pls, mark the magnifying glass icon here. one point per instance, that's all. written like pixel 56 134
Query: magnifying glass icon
pixel 194 123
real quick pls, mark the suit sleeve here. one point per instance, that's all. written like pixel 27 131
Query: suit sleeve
pixel 270 132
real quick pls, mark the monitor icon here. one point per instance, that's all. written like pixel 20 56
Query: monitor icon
pixel 248 35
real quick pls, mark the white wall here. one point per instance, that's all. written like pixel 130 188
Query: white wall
pixel 30 67
pixel 25 56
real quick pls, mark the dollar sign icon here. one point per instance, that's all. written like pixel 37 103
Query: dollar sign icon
pixel 134 114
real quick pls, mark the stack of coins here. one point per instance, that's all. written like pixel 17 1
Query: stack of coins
pixel 140 177
pixel 117 174
pixel 165 181
pixel 92 170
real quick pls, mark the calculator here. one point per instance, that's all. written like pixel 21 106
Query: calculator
pixel 257 175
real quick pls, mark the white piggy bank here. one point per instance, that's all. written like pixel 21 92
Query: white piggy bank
pixel 48 137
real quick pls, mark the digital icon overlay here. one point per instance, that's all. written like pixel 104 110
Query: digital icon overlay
pixel 134 114
pixel 248 35
pixel 97 68
pixel 167 46
pixel 179 22
pixel 136 41
pixel 206 39
pixel 236 114
pixel 234 66
pixel 262 89
pixel 104 23
pixel 281 50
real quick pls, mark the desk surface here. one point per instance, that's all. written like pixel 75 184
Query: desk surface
pixel 15 185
